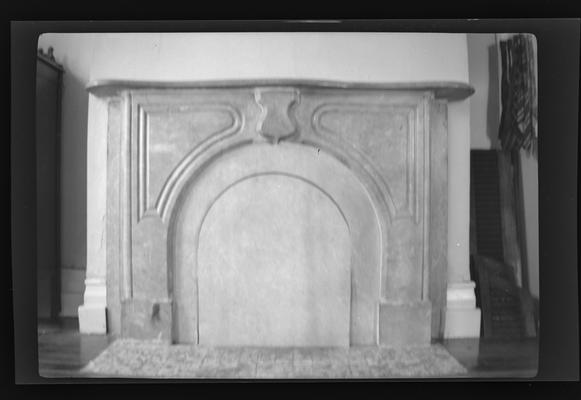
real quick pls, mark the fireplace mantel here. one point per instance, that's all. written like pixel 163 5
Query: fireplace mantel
pixel 373 154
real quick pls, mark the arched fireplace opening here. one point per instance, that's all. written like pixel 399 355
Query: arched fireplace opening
pixel 275 245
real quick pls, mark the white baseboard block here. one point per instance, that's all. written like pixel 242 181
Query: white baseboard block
pixel 462 318
pixel 92 319
pixel 93 313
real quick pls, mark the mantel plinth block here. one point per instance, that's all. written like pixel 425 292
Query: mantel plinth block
pixel 93 314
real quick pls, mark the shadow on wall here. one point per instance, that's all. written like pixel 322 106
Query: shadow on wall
pixel 73 175
pixel 493 106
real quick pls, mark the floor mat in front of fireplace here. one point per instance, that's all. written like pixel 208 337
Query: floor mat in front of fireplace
pixel 147 359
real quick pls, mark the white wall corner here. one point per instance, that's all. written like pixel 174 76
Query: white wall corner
pixel 462 318
pixel 93 312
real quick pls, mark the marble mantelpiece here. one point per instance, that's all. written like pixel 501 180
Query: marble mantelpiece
pixel 280 213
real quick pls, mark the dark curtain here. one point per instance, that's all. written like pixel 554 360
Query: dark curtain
pixel 518 123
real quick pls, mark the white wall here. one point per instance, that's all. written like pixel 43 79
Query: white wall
pixel 200 56
pixel 74 53
pixel 360 57
pixel 483 67
pixel 530 184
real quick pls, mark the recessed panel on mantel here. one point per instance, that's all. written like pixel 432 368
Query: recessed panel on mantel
pixel 385 136
pixel 169 134
pixel 274 261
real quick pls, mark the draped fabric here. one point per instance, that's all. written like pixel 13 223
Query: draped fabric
pixel 518 124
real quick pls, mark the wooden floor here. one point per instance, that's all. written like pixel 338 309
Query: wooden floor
pixel 63 351
pixel 496 358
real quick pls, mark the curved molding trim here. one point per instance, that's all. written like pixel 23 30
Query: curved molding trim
pixel 409 208
pixel 275 173
pixel 160 206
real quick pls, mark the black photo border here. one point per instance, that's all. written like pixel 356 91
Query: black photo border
pixel 558 52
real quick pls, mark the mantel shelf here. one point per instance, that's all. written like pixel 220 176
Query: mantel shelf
pixel 447 90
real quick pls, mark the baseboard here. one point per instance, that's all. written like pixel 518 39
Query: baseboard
pixel 462 323
pixel 461 316
pixel 93 311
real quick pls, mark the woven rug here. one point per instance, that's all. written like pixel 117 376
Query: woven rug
pixel 147 359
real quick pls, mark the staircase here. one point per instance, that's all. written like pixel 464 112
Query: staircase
pixel 486 202
pixel 506 313
pixel 500 299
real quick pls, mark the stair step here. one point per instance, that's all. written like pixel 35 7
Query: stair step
pixel 510 301
pixel 503 308
pixel 504 320
pixel 507 329
pixel 506 325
